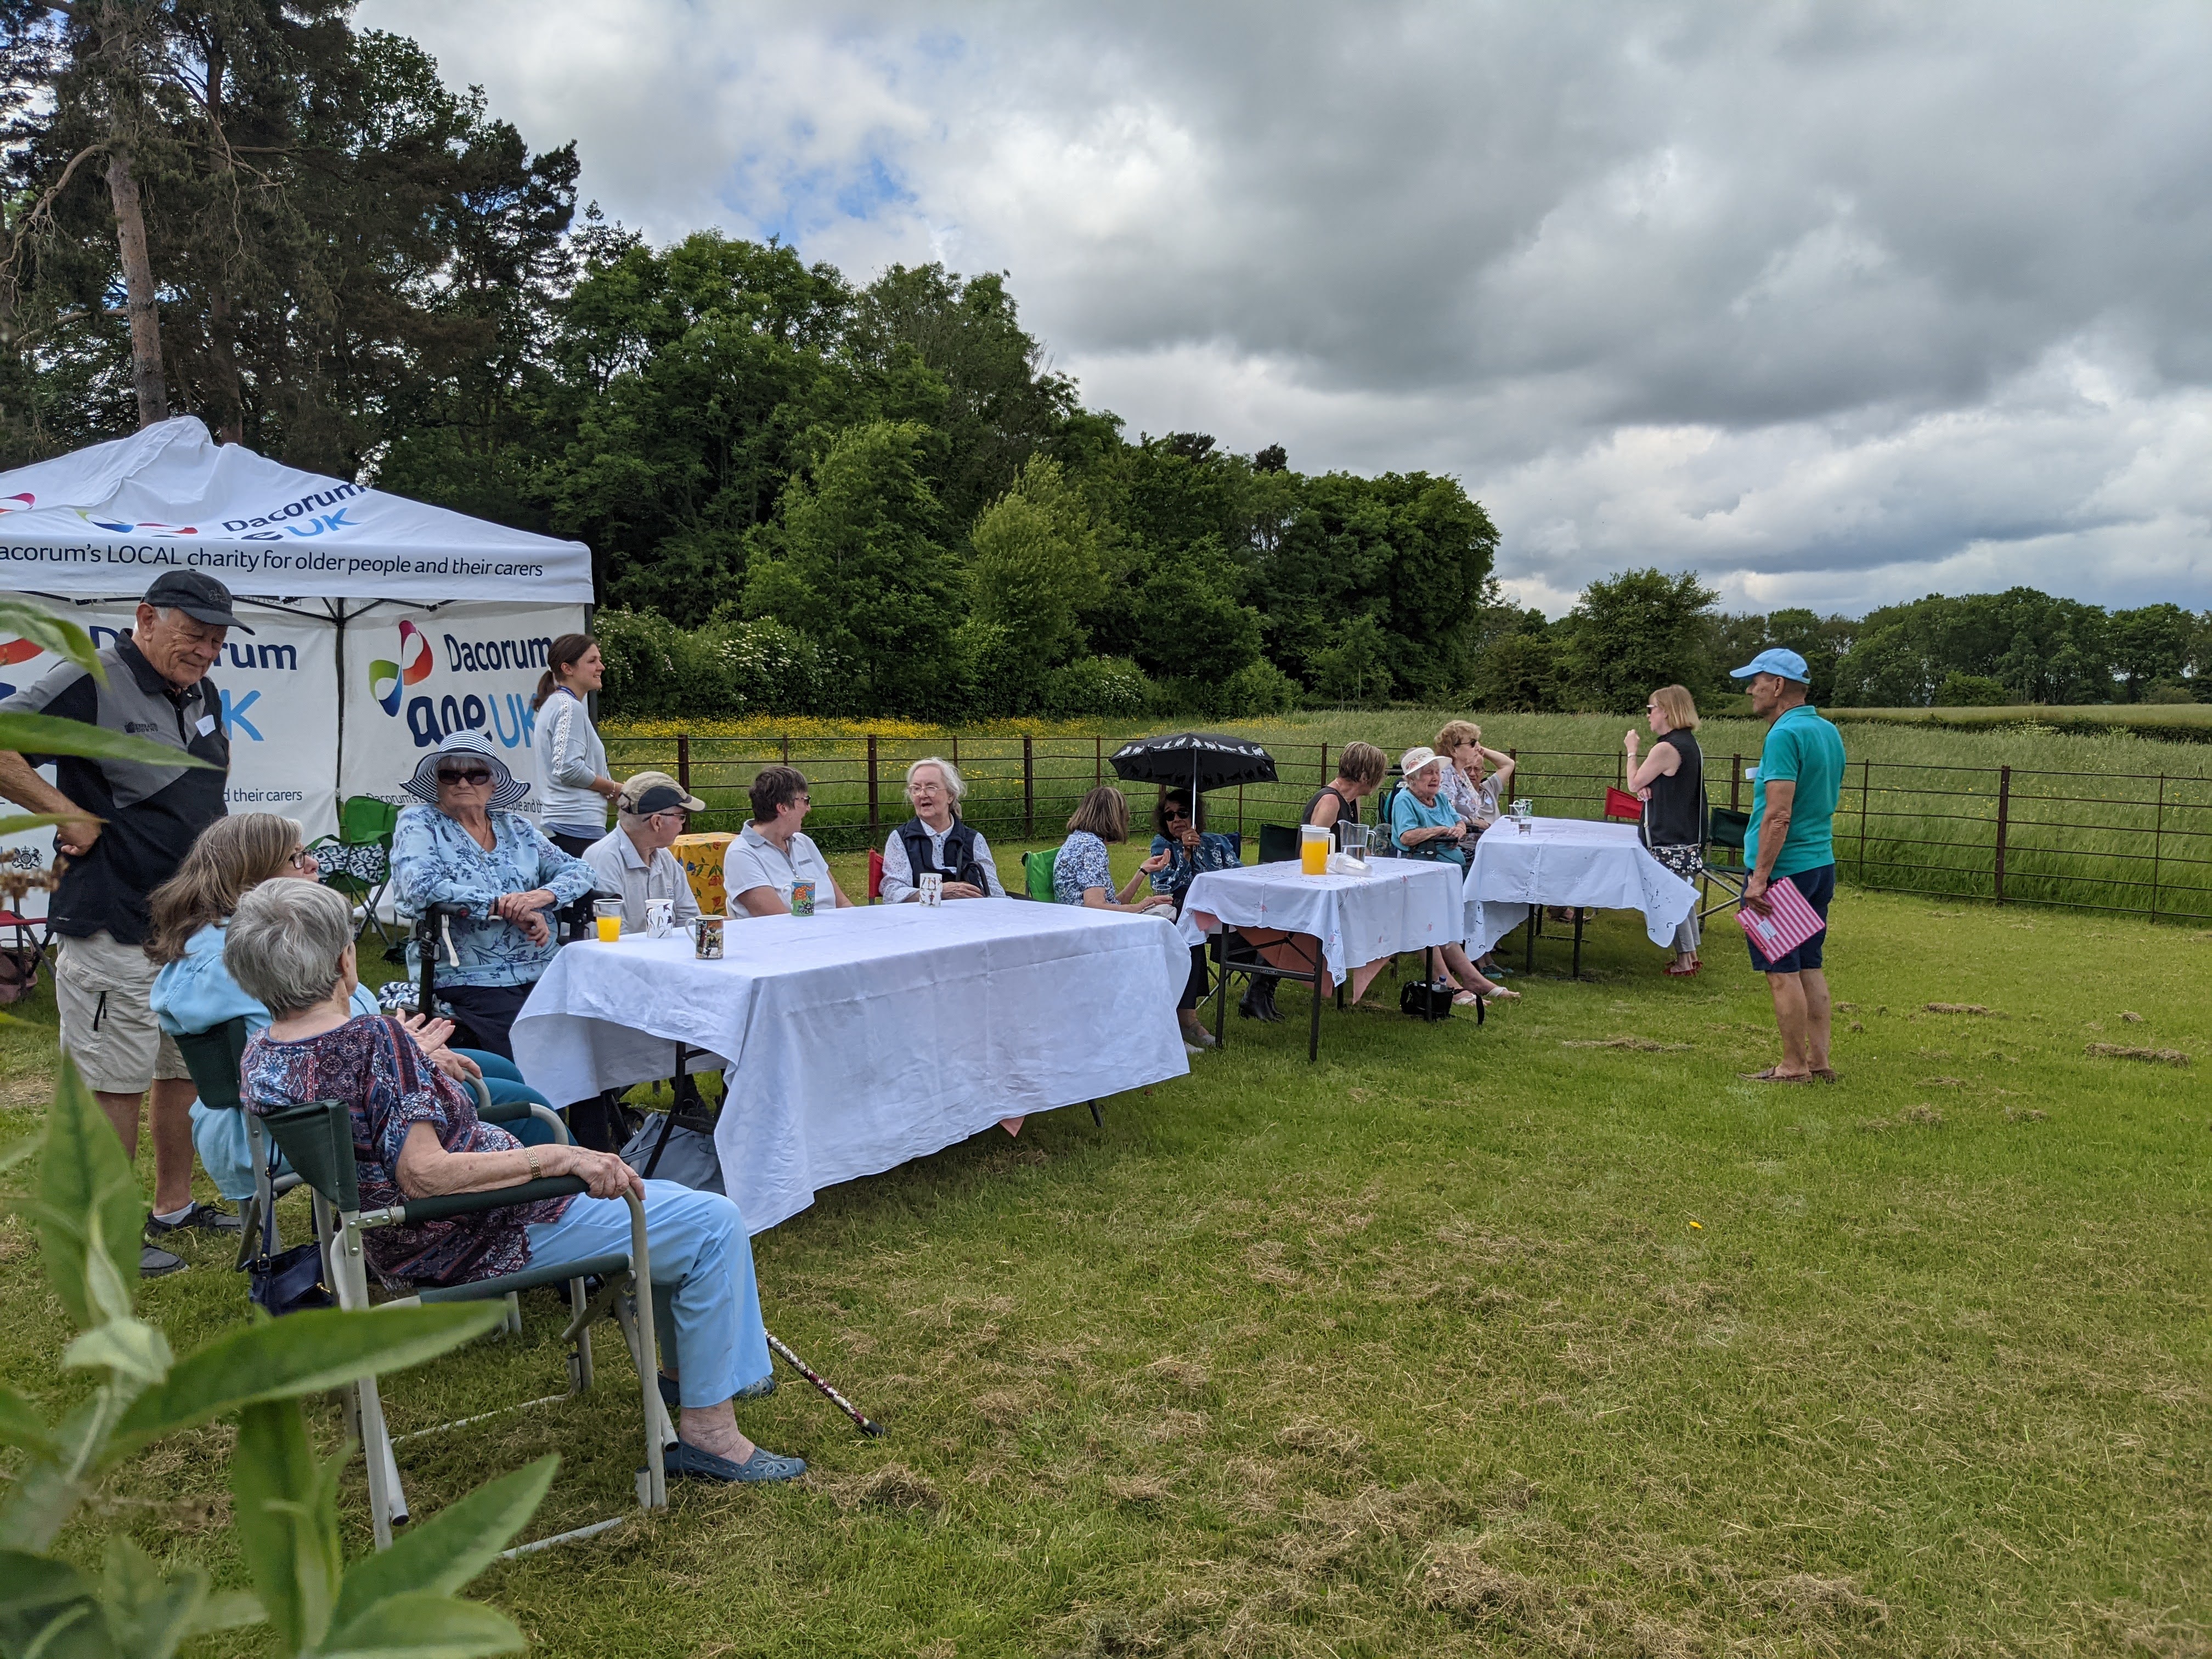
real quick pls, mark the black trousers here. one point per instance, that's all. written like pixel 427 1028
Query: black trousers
pixel 487 1012
pixel 574 846
pixel 1194 986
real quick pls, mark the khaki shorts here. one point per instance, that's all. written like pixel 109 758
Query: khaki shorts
pixel 108 1026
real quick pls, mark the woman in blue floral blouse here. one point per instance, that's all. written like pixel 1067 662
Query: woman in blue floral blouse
pixel 1187 849
pixel 466 846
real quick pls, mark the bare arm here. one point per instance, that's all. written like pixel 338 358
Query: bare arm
pixel 762 902
pixel 427 1169
pixel 1663 761
pixel 1773 831
pixel 19 782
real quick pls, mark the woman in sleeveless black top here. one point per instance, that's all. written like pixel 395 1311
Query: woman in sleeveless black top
pixel 1360 770
pixel 1671 780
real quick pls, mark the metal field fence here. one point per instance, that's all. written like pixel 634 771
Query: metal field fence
pixel 2136 843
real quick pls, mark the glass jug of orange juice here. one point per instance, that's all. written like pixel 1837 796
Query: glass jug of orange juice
pixel 1313 848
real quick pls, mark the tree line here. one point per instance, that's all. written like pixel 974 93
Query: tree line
pixel 803 494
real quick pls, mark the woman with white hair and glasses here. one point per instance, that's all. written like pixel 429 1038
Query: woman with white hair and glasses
pixel 465 844
pixel 934 840
pixel 416 1134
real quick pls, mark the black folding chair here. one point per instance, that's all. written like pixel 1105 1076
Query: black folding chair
pixel 1725 830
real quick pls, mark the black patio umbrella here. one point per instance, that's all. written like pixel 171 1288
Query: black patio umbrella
pixel 1198 760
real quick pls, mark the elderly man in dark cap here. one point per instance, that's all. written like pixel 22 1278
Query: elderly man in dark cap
pixel 128 824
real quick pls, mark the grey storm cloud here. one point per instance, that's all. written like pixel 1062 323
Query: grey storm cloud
pixel 1833 302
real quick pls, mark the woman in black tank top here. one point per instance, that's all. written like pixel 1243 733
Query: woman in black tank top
pixel 1360 770
pixel 1671 779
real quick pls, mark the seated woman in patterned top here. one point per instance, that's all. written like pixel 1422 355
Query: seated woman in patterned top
pixel 1188 850
pixel 466 846
pixel 416 1134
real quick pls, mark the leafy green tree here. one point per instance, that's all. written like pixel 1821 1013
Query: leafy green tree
pixel 857 565
pixel 1355 668
pixel 1970 691
pixel 2149 645
pixel 1518 673
pixel 1635 631
pixel 1034 568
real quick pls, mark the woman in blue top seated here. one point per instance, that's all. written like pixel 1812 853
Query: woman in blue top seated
pixel 195 993
pixel 1188 849
pixel 467 845
pixel 1425 825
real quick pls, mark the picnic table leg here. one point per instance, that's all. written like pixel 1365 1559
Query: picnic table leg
pixel 1220 942
pixel 1577 972
pixel 1536 920
pixel 1313 1037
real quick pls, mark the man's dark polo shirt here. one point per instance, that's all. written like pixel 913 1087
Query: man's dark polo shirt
pixel 153 813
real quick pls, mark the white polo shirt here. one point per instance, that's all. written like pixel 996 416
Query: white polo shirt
pixel 622 873
pixel 753 861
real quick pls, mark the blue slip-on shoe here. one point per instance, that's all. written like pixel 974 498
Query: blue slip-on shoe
pixel 671 1396
pixel 681 1460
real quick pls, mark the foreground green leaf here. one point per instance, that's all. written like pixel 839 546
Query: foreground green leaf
pixel 85 1184
pixel 440 1555
pixel 23 823
pixel 51 1609
pixel 55 633
pixel 424 1626
pixel 47 734
pixel 21 1425
pixel 149 1616
pixel 300 1353
pixel 286 1519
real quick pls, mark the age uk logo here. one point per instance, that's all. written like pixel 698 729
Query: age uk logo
pixel 388 680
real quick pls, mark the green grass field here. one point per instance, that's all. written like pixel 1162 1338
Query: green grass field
pixel 1550 1337
pixel 2108 820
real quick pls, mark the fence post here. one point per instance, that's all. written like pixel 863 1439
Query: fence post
pixel 786 748
pixel 1736 783
pixel 683 761
pixel 872 819
pixel 2004 823
pixel 1326 774
pixel 1028 787
pixel 1097 759
pixel 2157 836
pixel 1866 787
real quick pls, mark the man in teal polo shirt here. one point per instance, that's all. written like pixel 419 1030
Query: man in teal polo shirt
pixel 1793 809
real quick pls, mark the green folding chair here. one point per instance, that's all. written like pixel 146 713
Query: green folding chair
pixel 213 1058
pixel 318 1139
pixel 1726 830
pixel 1036 874
pixel 357 860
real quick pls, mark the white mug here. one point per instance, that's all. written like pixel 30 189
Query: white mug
pixel 932 887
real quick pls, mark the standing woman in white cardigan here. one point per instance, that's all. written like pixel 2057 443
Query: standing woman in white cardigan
pixel 573 784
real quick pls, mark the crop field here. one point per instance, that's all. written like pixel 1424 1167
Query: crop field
pixel 2108 820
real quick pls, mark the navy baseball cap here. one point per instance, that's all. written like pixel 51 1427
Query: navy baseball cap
pixel 1788 663
pixel 199 595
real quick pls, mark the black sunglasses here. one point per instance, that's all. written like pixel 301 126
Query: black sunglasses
pixel 477 775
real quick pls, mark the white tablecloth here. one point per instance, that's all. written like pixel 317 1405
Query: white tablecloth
pixel 1569 861
pixel 1405 904
pixel 854 1040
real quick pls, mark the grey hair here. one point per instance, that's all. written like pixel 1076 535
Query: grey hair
pixel 954 780
pixel 285 944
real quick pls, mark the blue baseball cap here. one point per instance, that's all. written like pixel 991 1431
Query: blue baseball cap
pixel 1788 663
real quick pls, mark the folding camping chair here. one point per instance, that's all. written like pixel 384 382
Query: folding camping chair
pixel 1036 874
pixel 357 860
pixel 213 1058
pixel 318 1139
pixel 875 875
pixel 1725 830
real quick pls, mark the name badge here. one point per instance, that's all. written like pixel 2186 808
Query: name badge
pixel 206 725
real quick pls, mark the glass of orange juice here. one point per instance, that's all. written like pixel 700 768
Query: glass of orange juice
pixel 1313 848
pixel 606 916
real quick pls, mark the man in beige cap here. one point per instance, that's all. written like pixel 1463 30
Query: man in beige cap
pixel 632 861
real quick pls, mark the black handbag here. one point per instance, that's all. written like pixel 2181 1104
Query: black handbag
pixel 288 1281
pixel 1426 998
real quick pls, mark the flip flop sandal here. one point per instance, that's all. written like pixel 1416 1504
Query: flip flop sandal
pixel 1675 970
pixel 1828 1074
pixel 1771 1074
pixel 681 1460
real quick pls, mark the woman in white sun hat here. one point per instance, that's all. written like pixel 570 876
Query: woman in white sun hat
pixel 1425 825
pixel 466 845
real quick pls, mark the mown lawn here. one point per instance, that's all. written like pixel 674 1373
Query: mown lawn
pixel 1548 1337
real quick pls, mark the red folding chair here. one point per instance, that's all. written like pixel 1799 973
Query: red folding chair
pixel 1619 804
pixel 875 875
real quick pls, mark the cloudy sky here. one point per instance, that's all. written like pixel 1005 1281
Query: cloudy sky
pixel 1835 303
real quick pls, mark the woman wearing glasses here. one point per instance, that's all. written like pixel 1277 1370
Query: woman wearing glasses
pixel 1188 850
pixel 194 992
pixel 1670 780
pixel 465 844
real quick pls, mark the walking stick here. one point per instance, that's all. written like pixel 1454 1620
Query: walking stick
pixel 816 1378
